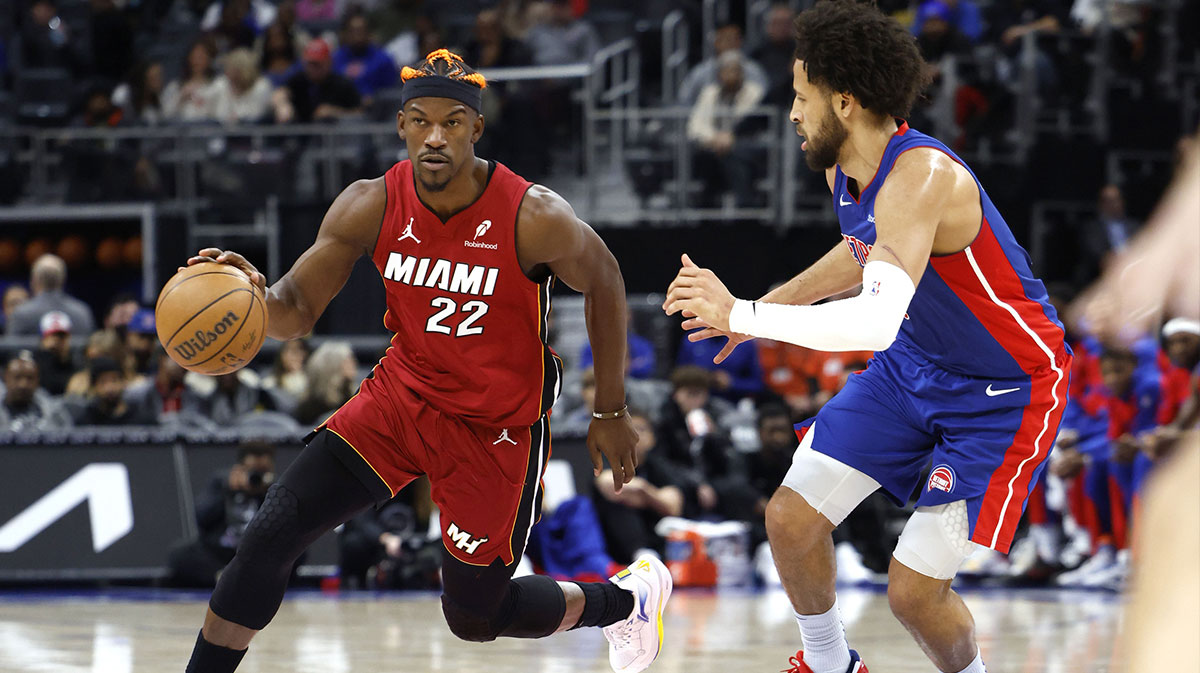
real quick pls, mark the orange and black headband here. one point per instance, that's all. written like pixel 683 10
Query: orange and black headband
pixel 457 84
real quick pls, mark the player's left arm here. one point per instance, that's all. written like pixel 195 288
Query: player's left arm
pixel 550 238
pixel 908 210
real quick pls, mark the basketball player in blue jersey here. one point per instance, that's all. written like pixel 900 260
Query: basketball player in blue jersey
pixel 971 370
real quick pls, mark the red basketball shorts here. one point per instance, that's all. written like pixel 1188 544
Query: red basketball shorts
pixel 486 481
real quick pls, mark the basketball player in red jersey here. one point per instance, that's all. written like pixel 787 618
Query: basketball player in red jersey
pixel 468 252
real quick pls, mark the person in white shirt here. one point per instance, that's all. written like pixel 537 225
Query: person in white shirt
pixel 241 95
pixel 190 98
pixel 721 162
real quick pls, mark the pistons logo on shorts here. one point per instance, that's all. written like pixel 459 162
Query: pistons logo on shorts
pixel 942 478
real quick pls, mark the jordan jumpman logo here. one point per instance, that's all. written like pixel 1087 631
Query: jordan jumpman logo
pixel 408 232
pixel 505 438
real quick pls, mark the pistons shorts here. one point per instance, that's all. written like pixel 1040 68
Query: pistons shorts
pixel 486 481
pixel 985 441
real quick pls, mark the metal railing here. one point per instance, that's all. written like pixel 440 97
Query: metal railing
pixel 674 54
pixel 713 15
pixel 659 139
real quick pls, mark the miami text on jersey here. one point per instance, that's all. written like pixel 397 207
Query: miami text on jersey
pixel 442 274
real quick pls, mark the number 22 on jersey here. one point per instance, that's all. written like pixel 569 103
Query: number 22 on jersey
pixel 474 309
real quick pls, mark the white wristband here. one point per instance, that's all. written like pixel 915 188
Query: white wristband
pixel 868 321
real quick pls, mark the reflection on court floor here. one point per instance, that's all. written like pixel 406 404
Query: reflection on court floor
pixel 152 632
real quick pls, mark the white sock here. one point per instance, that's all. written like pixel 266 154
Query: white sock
pixel 825 648
pixel 976 665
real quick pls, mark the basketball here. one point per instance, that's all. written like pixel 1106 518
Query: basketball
pixel 211 319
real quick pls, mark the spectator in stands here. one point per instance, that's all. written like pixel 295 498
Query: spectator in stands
pixel 963 15
pixel 46 40
pixel 361 61
pixel 519 16
pixel 491 47
pixel 1009 21
pixel 25 407
pixel 777 54
pixel 254 14
pixel 689 433
pixel 577 420
pixel 316 93
pixel 288 378
pixel 140 97
pixel 237 27
pixel 98 109
pixel 285 18
pixel 639 356
pixel 223 510
pixel 318 11
pixel 166 395
pixel 120 311
pixel 938 35
pixel 739 375
pixel 278 54
pixel 111 37
pixel 562 38
pixel 746 499
pixel 101 344
pixel 398 26
pixel 47 279
pixel 241 95
pixel 191 98
pixel 1109 236
pixel 14 296
pixel 721 111
pixel 628 518
pixel 56 363
pixel 728 38
pixel 333 377
pixel 141 341
pixel 105 403
pixel 237 394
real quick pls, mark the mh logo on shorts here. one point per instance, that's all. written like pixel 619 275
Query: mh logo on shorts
pixel 942 478
pixel 463 540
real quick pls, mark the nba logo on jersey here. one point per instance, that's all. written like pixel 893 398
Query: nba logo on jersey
pixel 875 287
pixel 942 478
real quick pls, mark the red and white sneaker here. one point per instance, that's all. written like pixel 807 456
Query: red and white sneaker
pixel 798 665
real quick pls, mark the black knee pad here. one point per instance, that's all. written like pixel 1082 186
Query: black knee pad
pixel 470 625
pixel 258 574
pixel 275 531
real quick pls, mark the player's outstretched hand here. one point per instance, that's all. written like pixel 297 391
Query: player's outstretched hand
pixel 231 258
pixel 615 439
pixel 703 331
pixel 698 292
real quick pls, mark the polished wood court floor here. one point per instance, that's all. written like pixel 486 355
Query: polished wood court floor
pixel 152 632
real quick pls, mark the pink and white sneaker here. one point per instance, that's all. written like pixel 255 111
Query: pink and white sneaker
pixel 635 642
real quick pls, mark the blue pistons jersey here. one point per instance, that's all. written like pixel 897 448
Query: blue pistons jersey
pixel 975 384
pixel 979 312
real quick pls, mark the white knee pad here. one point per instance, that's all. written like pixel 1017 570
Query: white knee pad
pixel 831 487
pixel 936 540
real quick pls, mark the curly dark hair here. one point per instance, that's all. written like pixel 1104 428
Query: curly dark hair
pixel 852 47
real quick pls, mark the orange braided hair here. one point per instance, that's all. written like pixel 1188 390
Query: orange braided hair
pixel 444 63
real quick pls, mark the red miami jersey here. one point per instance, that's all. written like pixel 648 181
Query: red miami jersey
pixel 470 326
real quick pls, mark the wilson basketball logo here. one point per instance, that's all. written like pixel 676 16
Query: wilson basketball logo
pixel 198 343
pixel 942 478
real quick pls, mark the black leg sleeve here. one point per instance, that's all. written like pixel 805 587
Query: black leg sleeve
pixel 482 603
pixel 317 493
